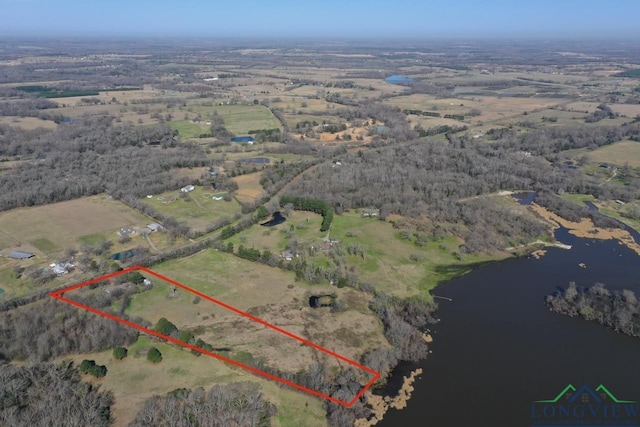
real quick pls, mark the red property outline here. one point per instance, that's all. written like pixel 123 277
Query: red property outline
pixel 58 295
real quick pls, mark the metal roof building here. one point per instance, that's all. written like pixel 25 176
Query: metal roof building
pixel 21 255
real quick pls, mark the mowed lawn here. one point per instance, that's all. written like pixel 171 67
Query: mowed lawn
pixel 620 153
pixel 240 119
pixel 197 208
pixel 53 228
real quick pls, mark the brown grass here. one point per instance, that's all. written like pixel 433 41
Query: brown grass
pixel 586 229
pixel 249 188
pixel 64 223
pixel 27 123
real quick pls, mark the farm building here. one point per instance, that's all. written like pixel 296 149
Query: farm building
pixel 243 140
pixel 287 255
pixel 62 267
pixel 154 226
pixel 187 189
pixel 21 255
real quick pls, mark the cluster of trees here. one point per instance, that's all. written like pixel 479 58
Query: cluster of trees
pixel 90 156
pixel 90 367
pixel 619 310
pixel 429 179
pixel 572 212
pixel 603 111
pixel 51 329
pixel 51 395
pixel 312 205
pixel 237 404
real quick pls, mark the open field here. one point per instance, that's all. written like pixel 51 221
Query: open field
pixel 189 129
pixel 268 293
pixel 239 119
pixel 134 379
pixel 197 208
pixel 387 261
pixel 52 228
pixel 620 153
pixel 27 123
pixel 249 188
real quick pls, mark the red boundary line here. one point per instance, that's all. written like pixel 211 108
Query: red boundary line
pixel 58 295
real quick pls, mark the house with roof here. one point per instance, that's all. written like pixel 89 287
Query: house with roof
pixel 187 189
pixel 370 212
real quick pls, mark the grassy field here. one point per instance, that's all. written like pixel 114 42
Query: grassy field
pixel 52 228
pixel 188 129
pixel 134 379
pixel 27 123
pixel 268 293
pixel 387 262
pixel 196 208
pixel 48 230
pixel 620 153
pixel 240 119
pixel 249 188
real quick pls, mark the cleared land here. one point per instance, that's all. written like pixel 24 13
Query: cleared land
pixel 620 153
pixel 51 228
pixel 196 208
pixel 249 188
pixel 27 123
pixel 387 261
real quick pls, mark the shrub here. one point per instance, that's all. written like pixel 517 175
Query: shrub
pixel 86 366
pixel 120 353
pixel 154 355
pixel 98 371
pixel 165 327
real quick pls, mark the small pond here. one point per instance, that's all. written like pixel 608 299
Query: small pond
pixel 317 301
pixel 259 160
pixel 398 79
pixel 276 219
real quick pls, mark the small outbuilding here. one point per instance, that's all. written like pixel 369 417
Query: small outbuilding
pixel 126 231
pixel 154 226
pixel 21 255
pixel 187 189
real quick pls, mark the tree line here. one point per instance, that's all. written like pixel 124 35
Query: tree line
pixel 618 310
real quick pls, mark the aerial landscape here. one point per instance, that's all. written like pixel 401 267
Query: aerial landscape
pixel 307 221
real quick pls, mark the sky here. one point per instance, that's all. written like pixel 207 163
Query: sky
pixel 323 19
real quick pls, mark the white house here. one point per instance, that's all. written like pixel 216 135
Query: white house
pixel 187 189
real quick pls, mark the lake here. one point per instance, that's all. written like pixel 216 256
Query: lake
pixel 498 348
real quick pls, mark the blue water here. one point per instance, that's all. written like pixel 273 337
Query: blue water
pixel 398 79
pixel 498 347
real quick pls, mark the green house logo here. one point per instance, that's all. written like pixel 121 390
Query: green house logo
pixel 585 407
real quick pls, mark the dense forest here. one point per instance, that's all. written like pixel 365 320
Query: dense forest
pixel 49 329
pixel 618 310
pixel 91 156
pixel 51 395
pixel 439 180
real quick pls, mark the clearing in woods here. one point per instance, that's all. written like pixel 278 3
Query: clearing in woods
pixel 268 333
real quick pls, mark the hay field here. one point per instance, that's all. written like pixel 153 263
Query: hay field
pixel 53 228
pixel 249 188
pixel 27 123
pixel 620 153
pixel 492 107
